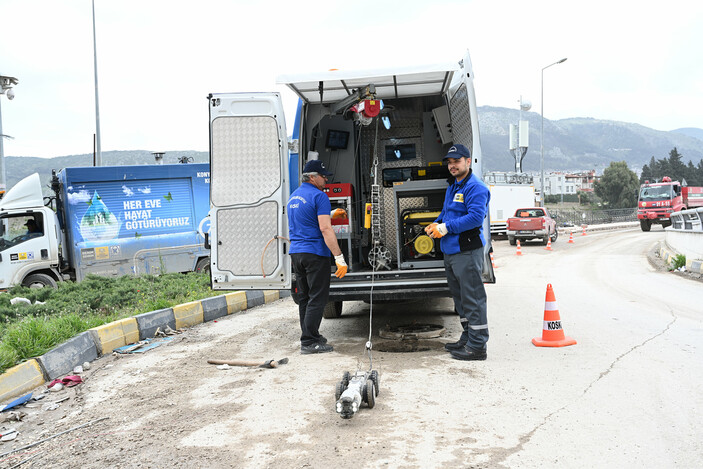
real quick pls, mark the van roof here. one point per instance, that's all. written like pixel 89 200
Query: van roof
pixel 399 82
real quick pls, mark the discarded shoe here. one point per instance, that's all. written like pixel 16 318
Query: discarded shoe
pixel 315 348
pixel 468 353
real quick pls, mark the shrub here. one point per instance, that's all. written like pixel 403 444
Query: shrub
pixel 678 261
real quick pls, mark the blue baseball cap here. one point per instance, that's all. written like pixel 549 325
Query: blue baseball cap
pixel 458 151
pixel 316 166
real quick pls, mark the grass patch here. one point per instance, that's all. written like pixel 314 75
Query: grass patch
pixel 28 331
pixel 678 261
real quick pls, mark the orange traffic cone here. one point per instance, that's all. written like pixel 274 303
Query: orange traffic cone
pixel 519 252
pixel 549 244
pixel 584 230
pixel 493 262
pixel 552 333
pixel 571 237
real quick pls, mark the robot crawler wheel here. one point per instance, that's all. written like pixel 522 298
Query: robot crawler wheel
pixel 369 394
pixel 346 377
pixel 375 379
pixel 339 390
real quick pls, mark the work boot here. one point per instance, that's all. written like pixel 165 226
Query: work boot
pixel 459 344
pixel 455 346
pixel 315 348
pixel 468 353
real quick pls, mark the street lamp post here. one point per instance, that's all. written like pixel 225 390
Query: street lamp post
pixel 541 137
pixel 6 84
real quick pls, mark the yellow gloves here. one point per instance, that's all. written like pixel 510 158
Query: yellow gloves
pixel 436 230
pixel 341 266
pixel 338 213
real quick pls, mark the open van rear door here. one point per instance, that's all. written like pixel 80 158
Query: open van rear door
pixel 248 192
pixel 464 118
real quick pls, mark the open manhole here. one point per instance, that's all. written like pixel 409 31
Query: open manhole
pixel 411 331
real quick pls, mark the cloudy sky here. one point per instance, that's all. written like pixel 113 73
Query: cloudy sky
pixel 630 61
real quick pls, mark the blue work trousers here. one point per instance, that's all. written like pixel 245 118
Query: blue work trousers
pixel 466 287
pixel 312 277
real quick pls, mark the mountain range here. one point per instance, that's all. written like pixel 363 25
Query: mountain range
pixel 569 145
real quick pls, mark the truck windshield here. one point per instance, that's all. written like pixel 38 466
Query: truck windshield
pixel 18 229
pixel 656 193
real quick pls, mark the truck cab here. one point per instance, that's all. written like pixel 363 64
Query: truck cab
pixel 657 201
pixel 383 134
pixel 29 237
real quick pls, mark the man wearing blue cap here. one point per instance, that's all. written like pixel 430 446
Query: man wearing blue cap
pixel 459 226
pixel 312 239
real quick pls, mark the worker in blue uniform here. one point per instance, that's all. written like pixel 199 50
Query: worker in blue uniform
pixel 312 241
pixel 459 226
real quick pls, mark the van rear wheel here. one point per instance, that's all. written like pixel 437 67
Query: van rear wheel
pixel 333 310
pixel 39 281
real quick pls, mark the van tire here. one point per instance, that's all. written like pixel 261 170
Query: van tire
pixel 39 281
pixel 203 266
pixel 333 310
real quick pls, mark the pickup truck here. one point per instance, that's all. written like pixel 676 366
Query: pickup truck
pixel 530 223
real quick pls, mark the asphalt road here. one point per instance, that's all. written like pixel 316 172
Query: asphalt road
pixel 629 394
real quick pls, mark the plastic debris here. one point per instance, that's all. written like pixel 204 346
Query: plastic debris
pixel 68 381
pixel 78 370
pixel 142 346
pixel 50 406
pixel 86 366
pixel 19 300
pixel 17 402
pixel 56 387
pixel 8 434
pixel 223 367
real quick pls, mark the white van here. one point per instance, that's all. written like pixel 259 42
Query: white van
pixel 383 134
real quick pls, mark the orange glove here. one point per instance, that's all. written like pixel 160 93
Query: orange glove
pixel 437 231
pixel 429 227
pixel 341 266
pixel 338 213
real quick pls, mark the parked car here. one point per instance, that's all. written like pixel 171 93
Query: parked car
pixel 531 223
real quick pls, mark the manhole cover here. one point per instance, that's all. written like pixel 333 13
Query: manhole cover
pixel 405 346
pixel 411 331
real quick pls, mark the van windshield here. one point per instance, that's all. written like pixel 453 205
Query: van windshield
pixel 656 193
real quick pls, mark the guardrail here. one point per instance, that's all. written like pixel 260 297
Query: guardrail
pixel 688 220
pixel 685 236
pixel 576 217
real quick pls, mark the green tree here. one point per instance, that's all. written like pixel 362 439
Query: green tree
pixel 692 175
pixel 618 187
pixel 676 167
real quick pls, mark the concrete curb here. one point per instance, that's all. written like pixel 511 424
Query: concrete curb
pixel 89 345
pixel 668 254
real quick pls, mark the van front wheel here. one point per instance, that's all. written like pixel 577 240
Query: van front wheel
pixel 333 310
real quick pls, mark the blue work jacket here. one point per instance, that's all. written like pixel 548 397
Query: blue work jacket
pixel 465 207
pixel 306 203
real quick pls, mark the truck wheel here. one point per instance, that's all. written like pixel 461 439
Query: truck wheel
pixel 555 235
pixel 666 224
pixel 39 281
pixel 545 240
pixel 203 266
pixel 511 240
pixel 333 310
pixel 646 225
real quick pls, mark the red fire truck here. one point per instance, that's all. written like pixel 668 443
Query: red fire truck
pixel 657 201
